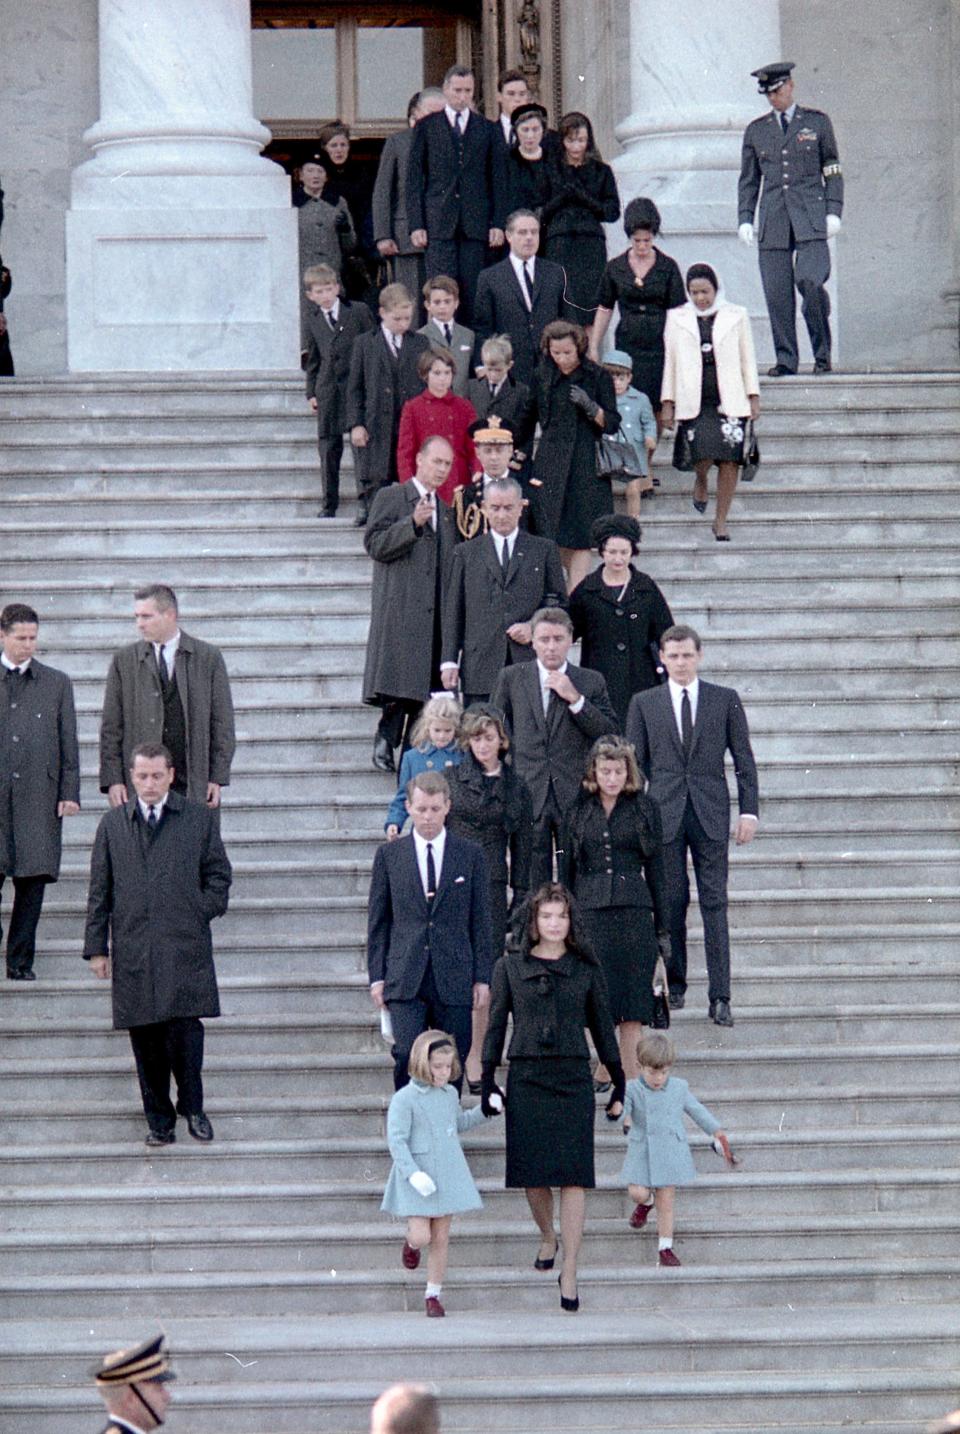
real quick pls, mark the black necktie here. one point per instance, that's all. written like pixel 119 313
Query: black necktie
pixel 528 284
pixel 447 334
pixel 162 666
pixel 505 556
pixel 784 123
pixel 331 321
pixel 686 723
pixel 152 818
pixel 431 875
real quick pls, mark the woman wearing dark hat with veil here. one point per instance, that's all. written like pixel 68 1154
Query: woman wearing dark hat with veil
pixel 619 613
pixel 644 283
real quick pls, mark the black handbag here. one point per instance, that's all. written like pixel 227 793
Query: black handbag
pixel 617 457
pixel 751 454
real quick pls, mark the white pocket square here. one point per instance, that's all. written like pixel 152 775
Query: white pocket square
pixel 458 880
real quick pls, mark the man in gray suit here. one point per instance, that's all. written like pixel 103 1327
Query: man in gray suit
pixel 794 152
pixel 554 713
pixel 682 732
pixel 170 688
pixel 389 207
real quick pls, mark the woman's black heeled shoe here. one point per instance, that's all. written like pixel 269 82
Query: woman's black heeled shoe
pixel 474 1086
pixel 571 1306
pixel 539 1264
pixel 700 507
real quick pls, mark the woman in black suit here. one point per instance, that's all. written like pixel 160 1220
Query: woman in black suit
pixel 619 614
pixel 612 860
pixel 581 197
pixel 491 805
pixel 644 283
pixel 527 175
pixel 554 988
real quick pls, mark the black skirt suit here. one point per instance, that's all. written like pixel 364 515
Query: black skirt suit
pixel 620 634
pixel 550 1097
pixel 497 814
pixel 643 315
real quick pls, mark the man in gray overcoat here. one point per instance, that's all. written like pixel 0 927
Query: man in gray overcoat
pixel 39 778
pixel 410 535
pixel 158 876
pixel 172 688
pixel 389 205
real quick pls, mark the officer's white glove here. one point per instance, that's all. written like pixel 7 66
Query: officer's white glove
pixel 745 235
pixel 833 225
pixel 422 1183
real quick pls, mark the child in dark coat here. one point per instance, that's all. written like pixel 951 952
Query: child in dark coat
pixel 332 327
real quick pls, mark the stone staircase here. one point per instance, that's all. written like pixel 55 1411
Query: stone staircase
pixel 821 1281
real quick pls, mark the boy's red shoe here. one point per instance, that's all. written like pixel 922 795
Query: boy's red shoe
pixel 435 1309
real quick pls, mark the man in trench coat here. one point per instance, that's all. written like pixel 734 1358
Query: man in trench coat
pixel 410 535
pixel 39 778
pixel 158 876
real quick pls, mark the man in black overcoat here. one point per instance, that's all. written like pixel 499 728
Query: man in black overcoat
pixel 554 712
pixel 682 732
pixel 497 582
pixel 519 297
pixel 456 187
pixel 39 778
pixel 429 952
pixel 410 536
pixel 158 876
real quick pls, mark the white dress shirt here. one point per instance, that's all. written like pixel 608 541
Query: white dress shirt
pixel 332 313
pixel 456 117
pixel 146 806
pixel 14 666
pixel 420 847
pixel 545 691
pixel 506 124
pixel 167 652
pixel 425 493
pixel 518 267
pixel 676 697
pixel 394 341
pixel 499 539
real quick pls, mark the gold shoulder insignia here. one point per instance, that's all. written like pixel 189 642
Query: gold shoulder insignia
pixel 831 171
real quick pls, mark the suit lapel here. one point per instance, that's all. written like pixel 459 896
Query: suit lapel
pixel 704 702
pixel 414 870
pixel 446 871
pixel 515 286
pixel 531 679
pixel 490 556
pixel 666 702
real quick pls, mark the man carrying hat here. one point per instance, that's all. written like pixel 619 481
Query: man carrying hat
pixel 794 152
pixel 133 1386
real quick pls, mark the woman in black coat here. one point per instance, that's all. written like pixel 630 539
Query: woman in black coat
pixel 554 988
pixel 619 614
pixel 612 860
pixel 575 403
pixel 528 183
pixel 491 805
pixel 581 197
pixel 644 283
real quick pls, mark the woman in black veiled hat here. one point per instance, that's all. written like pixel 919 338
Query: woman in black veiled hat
pixel 619 613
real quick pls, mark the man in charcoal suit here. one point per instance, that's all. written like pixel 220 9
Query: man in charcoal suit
pixel 391 231
pixel 554 713
pixel 428 927
pixel 682 732
pixel 519 296
pixel 497 582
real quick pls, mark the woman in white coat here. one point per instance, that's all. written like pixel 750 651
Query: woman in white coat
pixel 710 389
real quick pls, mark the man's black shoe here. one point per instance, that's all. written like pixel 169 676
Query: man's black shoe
pixel 199 1126
pixel 21 976
pixel 383 754
pixel 677 1000
pixel 823 366
pixel 720 1013
pixel 780 370
pixel 160 1137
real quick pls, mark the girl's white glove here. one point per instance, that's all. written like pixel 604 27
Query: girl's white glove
pixel 422 1183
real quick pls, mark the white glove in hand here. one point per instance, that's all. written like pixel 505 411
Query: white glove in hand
pixel 422 1183
pixel 496 1102
pixel 745 235
pixel 833 225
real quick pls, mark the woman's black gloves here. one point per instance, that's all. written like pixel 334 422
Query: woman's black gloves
pixel 581 399
pixel 492 1098
pixel 619 1090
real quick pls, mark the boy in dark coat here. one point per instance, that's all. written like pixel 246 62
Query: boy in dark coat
pixel 332 326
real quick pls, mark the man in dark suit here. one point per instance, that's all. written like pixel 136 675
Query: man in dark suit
pixel 681 732
pixel 519 296
pixel 456 183
pixel 39 778
pixel 172 688
pixel 158 876
pixel 554 712
pixel 496 585
pixel 410 536
pixel 332 326
pixel 428 927
pixel 391 229
pixel 794 153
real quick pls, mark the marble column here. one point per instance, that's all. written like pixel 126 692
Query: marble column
pixel 181 240
pixel 691 99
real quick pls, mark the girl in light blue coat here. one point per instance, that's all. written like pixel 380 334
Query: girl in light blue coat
pixel 658 1155
pixel 434 746
pixel 430 1181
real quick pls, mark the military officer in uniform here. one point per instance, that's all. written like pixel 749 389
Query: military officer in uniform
pixel 793 151
pixel 133 1386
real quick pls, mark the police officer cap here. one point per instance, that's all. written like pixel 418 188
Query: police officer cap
pixel 142 1363
pixel 771 77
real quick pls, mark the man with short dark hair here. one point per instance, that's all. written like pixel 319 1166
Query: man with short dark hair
pixel 405 1409
pixel 39 778
pixel 682 732
pixel 519 297
pixel 158 876
pixel 429 952
pixel 172 688
pixel 554 712
pixel 456 187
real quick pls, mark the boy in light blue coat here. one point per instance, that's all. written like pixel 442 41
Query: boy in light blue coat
pixel 637 425
pixel 658 1155
pixel 430 1181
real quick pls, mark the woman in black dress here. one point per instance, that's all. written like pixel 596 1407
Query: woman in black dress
pixel 582 197
pixel 612 861
pixel 619 614
pixel 553 987
pixel 574 402
pixel 491 805
pixel 527 177
pixel 353 180
pixel 645 283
